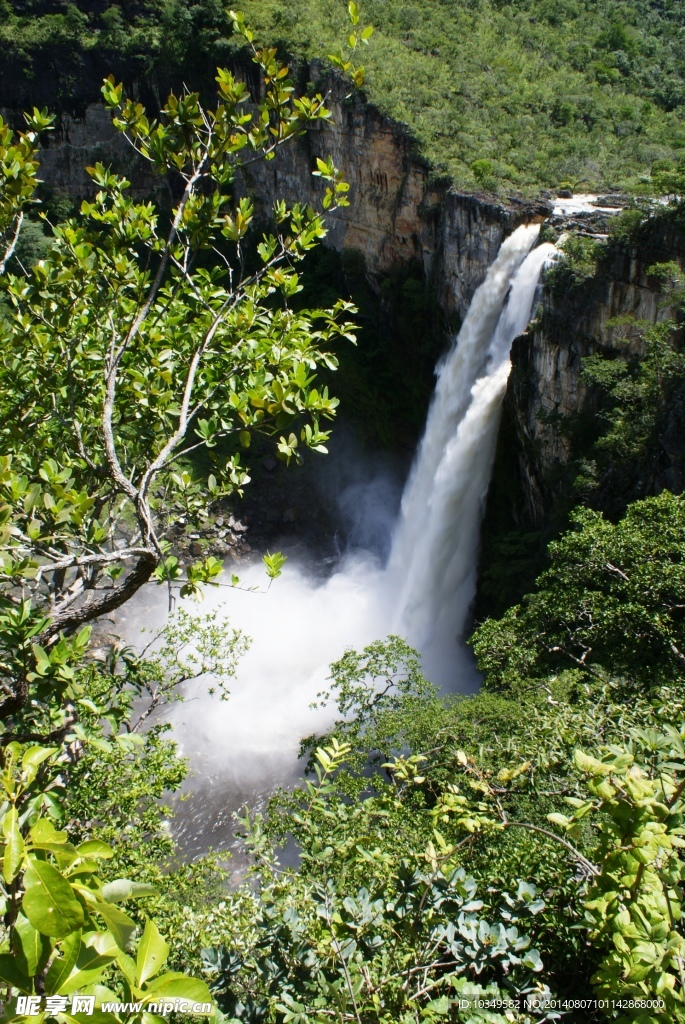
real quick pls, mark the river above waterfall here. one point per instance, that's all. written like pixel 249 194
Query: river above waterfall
pixel 240 749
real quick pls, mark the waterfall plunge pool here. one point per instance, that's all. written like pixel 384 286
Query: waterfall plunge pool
pixel 240 750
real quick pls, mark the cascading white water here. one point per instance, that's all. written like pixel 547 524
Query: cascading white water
pixel 241 749
pixel 433 558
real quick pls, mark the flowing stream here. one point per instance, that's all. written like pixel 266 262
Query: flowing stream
pixel 240 749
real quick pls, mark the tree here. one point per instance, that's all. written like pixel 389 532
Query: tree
pixel 64 932
pixel 144 336
pixel 411 942
pixel 18 179
pixel 640 393
pixel 583 796
pixel 610 604
pixel 671 182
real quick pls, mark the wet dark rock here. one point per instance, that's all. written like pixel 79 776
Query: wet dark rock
pixel 545 388
pixel 219 548
pixel 617 199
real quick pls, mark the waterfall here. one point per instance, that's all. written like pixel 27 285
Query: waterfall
pixel 433 560
pixel 241 749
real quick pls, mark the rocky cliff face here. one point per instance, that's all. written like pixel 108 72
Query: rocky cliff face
pixel 400 216
pixel 550 418
pixel 80 142
pixel 545 386
pixel 397 214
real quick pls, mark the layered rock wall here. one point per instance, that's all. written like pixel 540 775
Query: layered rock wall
pixel 397 214
pixel 545 386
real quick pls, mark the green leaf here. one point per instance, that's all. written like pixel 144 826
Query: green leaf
pixel 120 924
pixel 33 948
pixel 274 564
pixel 152 953
pixel 173 986
pixel 124 889
pixel 558 819
pixel 96 1017
pixel 440 1006
pixel 34 756
pixel 49 901
pixel 45 832
pixel 590 765
pixel 94 956
pixel 10 973
pixel 14 846
pixel 95 849
pixel 127 966
pixel 62 966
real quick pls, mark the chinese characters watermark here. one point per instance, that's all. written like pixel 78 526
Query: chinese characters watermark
pixel 32 1006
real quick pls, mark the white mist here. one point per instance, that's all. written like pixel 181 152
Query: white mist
pixel 241 749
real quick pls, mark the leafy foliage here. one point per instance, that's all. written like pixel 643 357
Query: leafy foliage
pixel 580 790
pixel 633 906
pixel 63 930
pixel 411 941
pixel 609 604
pixel 639 386
pixel 430 824
pixel 18 179
pixel 524 93
pixel 124 353
pixel 119 343
pixel 577 260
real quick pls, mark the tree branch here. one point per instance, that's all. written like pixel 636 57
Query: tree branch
pixel 591 868
pixel 104 602
pixel 9 252
pixel 105 558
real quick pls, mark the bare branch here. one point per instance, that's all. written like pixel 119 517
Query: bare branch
pixel 104 558
pixel 101 602
pixel 111 376
pixel 591 868
pixel 619 572
pixel 13 243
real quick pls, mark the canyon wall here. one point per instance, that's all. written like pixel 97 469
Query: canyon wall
pixel 545 386
pixel 398 215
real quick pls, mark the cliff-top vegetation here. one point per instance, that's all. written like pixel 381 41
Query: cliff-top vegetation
pixel 510 93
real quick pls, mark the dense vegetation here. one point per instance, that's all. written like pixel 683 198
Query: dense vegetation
pixel 502 857
pixel 122 353
pixel 499 93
